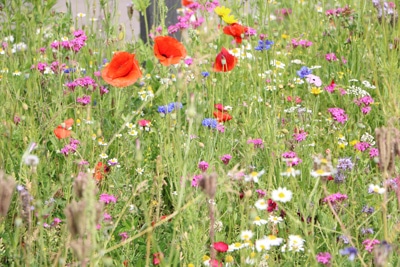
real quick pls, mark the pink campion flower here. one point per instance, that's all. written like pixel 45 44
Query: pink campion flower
pixel 226 158
pixel 342 91
pixel 188 61
pixel 301 136
pixel 331 87
pixel 203 166
pixel 344 60
pixel 220 128
pixel 324 258
pixel 370 243
pixel 107 217
pixel 305 43
pixel 335 198
pixel 258 143
pixel 338 115
pixel 56 221
pixel 261 193
pixel 124 236
pixel 362 146
pixel 144 123
pixel 331 57
pixel 373 152
pixel 106 198
pixel 313 79
pixel 84 100
pixel 366 101
pixel 196 179
pixel 366 110
pixel 295 43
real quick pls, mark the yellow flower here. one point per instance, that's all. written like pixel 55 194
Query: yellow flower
pixel 354 142
pixel 229 19
pixel 285 36
pixel 315 90
pixel 222 11
pixel 229 259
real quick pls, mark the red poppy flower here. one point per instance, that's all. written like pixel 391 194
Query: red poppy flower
pixel 224 61
pixel 63 130
pixel 220 246
pixel 222 116
pixel 122 71
pixel 168 50
pixel 236 30
pixel 186 2
pixel 100 171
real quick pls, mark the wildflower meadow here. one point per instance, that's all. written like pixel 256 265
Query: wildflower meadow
pixel 246 133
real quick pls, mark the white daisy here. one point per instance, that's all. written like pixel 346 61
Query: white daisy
pixel 262 244
pixel 281 195
pixel 261 204
pixel 253 176
pixel 274 240
pixel 246 235
pixel 258 221
pixel 275 219
pixel 372 188
pixel 290 172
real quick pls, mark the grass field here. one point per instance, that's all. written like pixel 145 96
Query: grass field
pixel 267 135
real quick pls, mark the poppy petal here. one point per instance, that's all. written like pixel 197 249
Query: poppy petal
pixel 61 132
pixel 224 61
pixel 222 116
pixel 122 71
pixel 168 50
pixel 100 171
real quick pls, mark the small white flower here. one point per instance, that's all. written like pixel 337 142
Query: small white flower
pixel 275 219
pixel 290 172
pixel 277 64
pixel 258 221
pixel 253 176
pixel 298 80
pixel 320 173
pixel 263 244
pixel 281 195
pixel 103 155
pixel 246 235
pixel 372 188
pixel 81 15
pixel 140 171
pixel 274 240
pixel 261 204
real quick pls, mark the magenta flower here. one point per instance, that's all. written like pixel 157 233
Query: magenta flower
pixel 370 243
pixel 324 258
pixel 331 57
pixel 338 115
pixel 334 198
pixel 300 136
pixel 258 143
pixel 226 158
pixel 373 152
pixel 261 193
pixel 203 166
pixel 362 146
pixel 124 236
pixel 196 179
pixel 84 100
pixel 108 198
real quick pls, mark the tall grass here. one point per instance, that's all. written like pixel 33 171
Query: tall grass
pixel 55 217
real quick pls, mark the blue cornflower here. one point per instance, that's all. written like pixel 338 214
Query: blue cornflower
pixel 205 74
pixel 304 71
pixel 264 46
pixel 169 107
pixel 209 122
pixel 351 251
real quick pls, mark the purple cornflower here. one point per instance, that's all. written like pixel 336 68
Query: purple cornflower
pixel 368 210
pixel 345 164
pixel 84 100
pixel 205 74
pixel 367 231
pixel 362 146
pixel 203 166
pixel 108 198
pixel 331 57
pixel 334 198
pixel 370 243
pixel 303 72
pixel 350 251
pixel 338 115
pixel 209 122
pixel 258 143
pixel 344 238
pixel 324 257
pixel 226 158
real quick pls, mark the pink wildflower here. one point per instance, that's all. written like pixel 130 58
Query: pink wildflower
pixel 331 57
pixel 324 258
pixel 370 243
pixel 334 198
